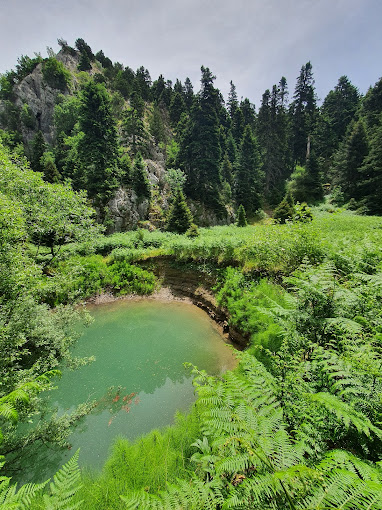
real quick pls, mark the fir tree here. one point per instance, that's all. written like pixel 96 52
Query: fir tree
pixel 97 148
pixel 241 217
pixel 134 129
pixel 227 170
pixel 180 217
pixel 249 114
pixel 303 113
pixel 51 173
pixel 84 64
pixel 349 159
pixel 285 210
pixel 370 185
pixel 140 181
pixel 338 110
pixel 305 184
pixel 177 107
pixel 232 102
pixel 38 149
pixel 200 152
pixel 157 128
pixel 189 92
pixel 125 168
pixel 249 176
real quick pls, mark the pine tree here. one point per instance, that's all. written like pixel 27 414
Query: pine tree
pixel 38 149
pixel 241 217
pixel 140 181
pixel 338 110
pixel 177 107
pixel 303 112
pixel 84 64
pixel 97 148
pixel 370 185
pixel 249 178
pixel 180 217
pixel 349 159
pixel 232 102
pixel 200 152
pixel 51 173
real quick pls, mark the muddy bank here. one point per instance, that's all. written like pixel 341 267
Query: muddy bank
pixel 183 284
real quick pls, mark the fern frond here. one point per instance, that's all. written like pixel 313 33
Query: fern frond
pixel 192 495
pixel 345 413
pixel 11 499
pixel 66 483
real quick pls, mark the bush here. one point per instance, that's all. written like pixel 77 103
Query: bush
pixel 302 213
pixel 55 74
pixel 128 279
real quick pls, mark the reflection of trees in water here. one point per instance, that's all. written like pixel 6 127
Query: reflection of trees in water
pixel 37 462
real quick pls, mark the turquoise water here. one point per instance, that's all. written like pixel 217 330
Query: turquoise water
pixel 138 378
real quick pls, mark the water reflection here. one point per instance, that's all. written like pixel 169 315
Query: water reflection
pixel 138 378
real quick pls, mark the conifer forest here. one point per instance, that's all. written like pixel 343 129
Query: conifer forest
pixel 110 181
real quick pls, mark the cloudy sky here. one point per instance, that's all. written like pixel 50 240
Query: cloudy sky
pixel 252 42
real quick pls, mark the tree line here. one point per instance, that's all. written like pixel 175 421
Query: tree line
pixel 229 153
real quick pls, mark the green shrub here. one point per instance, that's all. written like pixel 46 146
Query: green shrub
pixel 55 74
pixel 127 279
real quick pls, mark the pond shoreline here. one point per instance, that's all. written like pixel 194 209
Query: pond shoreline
pixel 200 297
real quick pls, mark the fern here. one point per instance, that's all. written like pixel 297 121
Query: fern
pixel 66 483
pixel 11 499
pixel 184 495
pixel 345 413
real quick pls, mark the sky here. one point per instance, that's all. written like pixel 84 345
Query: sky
pixel 251 42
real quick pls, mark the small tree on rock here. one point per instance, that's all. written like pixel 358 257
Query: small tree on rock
pixel 140 181
pixel 180 217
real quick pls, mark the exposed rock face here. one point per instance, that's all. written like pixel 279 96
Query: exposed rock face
pixel 41 99
pixel 126 210
pixel 206 217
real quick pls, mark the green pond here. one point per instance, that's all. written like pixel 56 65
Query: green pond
pixel 138 378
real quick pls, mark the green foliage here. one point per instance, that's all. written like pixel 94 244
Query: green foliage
pixel 249 176
pixel 193 231
pixel 66 112
pixel 66 483
pixel 241 217
pixel 55 215
pixel 97 148
pixel 302 212
pixel 179 217
pixel 49 168
pixel 140 180
pixel 55 74
pixel 127 279
pixel 27 117
pixel 284 211
pixel 176 179
pixel 84 64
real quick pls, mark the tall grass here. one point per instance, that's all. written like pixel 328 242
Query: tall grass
pixel 148 463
